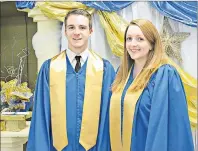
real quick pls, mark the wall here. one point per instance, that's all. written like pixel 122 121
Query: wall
pixel 17 31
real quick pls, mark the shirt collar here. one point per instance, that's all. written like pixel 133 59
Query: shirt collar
pixel 71 55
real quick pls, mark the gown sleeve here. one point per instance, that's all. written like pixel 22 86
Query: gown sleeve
pixel 39 134
pixel 169 127
pixel 103 132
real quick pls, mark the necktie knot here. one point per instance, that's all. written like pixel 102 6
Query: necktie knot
pixel 78 64
pixel 77 58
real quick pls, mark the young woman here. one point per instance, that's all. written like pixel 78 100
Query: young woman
pixel 148 110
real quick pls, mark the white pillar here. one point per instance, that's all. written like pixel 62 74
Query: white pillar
pixel 47 40
pixel 14 141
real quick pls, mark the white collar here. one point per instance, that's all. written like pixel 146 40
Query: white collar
pixel 71 55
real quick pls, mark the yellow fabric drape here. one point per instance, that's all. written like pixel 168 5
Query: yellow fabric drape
pixel 92 101
pixel 114 27
pixel 58 10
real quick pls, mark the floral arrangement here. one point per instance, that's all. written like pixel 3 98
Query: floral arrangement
pixel 15 97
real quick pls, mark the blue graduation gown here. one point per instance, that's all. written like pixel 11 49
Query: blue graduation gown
pixel 161 121
pixel 40 136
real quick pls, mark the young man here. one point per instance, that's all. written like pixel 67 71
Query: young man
pixel 71 110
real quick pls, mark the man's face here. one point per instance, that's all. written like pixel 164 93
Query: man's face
pixel 77 32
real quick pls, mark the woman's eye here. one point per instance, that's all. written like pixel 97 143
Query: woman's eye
pixel 139 39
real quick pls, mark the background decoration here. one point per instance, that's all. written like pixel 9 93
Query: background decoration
pixel 172 41
pixel 114 27
pixel 58 10
pixel 16 96
pixel 181 11
pixel 22 57
pixel 25 5
pixel 109 6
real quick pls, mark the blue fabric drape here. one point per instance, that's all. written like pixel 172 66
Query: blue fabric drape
pixel 182 11
pixel 25 4
pixel 185 12
pixel 107 5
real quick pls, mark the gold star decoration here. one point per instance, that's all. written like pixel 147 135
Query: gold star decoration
pixel 172 40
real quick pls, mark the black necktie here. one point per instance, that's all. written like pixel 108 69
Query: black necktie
pixel 78 64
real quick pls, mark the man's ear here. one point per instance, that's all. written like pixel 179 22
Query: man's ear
pixel 91 30
pixel 65 32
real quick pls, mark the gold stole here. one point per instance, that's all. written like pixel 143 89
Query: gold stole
pixel 92 101
pixel 130 101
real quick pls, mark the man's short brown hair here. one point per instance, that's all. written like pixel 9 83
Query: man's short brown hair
pixel 79 12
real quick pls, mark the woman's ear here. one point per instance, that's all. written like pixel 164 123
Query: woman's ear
pixel 151 48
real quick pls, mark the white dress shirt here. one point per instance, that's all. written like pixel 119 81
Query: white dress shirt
pixel 71 55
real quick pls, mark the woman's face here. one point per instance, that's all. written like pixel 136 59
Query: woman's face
pixel 137 45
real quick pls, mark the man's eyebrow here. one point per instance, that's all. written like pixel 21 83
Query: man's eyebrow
pixel 70 25
pixel 78 25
